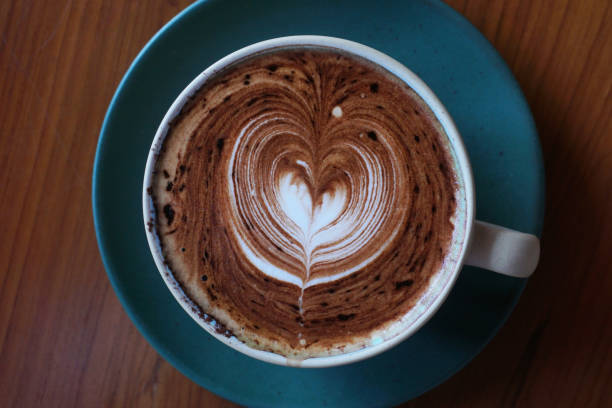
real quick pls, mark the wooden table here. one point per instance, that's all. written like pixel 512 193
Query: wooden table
pixel 64 338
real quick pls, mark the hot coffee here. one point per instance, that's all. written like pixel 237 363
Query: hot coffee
pixel 304 199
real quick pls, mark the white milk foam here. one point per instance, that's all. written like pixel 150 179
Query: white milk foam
pixel 334 228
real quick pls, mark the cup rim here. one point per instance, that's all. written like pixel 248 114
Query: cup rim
pixel 378 58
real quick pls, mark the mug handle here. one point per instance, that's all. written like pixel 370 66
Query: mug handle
pixel 503 250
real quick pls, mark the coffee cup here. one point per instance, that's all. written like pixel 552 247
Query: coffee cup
pixel 474 242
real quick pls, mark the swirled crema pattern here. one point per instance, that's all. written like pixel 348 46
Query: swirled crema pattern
pixel 304 199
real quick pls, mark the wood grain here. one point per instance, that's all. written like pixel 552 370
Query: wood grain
pixel 64 339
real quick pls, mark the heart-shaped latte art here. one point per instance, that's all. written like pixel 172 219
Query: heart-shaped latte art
pixel 308 203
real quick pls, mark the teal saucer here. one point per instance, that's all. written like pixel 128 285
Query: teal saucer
pixel 468 76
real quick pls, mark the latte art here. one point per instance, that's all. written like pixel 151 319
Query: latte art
pixel 304 199
pixel 317 199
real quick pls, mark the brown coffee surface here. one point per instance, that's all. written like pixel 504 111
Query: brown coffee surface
pixel 304 198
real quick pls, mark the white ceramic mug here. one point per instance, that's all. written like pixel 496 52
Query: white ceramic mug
pixel 482 244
